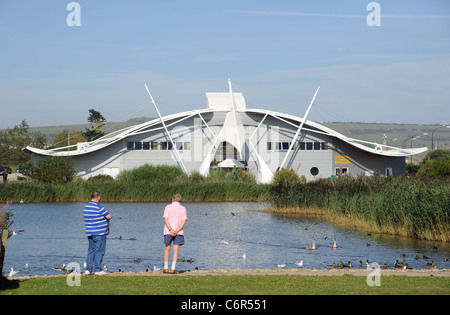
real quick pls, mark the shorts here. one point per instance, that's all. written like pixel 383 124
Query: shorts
pixel 177 240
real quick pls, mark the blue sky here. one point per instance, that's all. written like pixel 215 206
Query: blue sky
pixel 275 52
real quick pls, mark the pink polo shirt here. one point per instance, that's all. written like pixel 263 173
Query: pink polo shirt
pixel 176 213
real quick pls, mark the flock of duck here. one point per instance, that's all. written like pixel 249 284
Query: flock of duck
pixel 396 265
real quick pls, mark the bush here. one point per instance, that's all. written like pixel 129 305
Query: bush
pixel 160 173
pixel 436 168
pixel 54 169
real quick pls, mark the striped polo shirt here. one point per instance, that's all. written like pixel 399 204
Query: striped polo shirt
pixel 94 219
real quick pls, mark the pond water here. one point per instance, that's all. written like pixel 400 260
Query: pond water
pixel 217 235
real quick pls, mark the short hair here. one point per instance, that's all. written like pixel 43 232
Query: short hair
pixel 176 197
pixel 95 194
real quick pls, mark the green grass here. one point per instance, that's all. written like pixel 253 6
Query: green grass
pixel 229 285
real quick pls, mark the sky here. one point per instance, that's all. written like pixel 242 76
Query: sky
pixel 276 53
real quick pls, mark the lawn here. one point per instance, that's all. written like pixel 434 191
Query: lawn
pixel 228 285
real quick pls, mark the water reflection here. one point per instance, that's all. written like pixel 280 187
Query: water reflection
pixel 217 236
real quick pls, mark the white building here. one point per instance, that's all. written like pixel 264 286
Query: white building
pixel 262 140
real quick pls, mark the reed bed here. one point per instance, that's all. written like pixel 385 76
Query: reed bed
pixel 395 205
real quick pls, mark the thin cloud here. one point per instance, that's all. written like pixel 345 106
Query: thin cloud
pixel 347 16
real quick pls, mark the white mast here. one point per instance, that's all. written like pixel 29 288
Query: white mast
pixel 299 129
pixel 167 131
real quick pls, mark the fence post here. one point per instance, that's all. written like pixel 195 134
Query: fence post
pixel 3 249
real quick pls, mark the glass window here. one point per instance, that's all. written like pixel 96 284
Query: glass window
pixel 324 145
pixel 316 145
pixel 130 145
pixel 179 145
pixel 309 145
pixel 163 145
pixel 302 145
pixel 145 145
pixel 285 146
pixel 154 145
pixel 138 145
pixel 187 146
pixel 269 146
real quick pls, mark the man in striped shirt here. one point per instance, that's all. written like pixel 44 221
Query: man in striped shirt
pixel 96 219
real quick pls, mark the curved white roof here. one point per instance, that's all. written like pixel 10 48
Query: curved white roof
pixel 89 147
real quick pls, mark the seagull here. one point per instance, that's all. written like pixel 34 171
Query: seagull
pixel 223 242
pixel 85 265
pixel 299 263
pixel 105 268
pixel 281 265
pixel 155 269
pixel 13 272
pixel 243 256
pixel 26 266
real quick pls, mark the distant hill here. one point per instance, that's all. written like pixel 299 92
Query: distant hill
pixel 397 134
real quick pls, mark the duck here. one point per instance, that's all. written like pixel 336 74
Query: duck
pixel 137 261
pixel 431 264
pixel 190 260
pixel 334 244
pixel 349 265
pixel 313 246
pixel 63 268
pixel 331 266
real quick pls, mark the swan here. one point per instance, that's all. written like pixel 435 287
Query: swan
pixel 334 244
pixel 313 246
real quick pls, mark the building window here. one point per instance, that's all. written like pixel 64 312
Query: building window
pixel 309 146
pixel 145 145
pixel 269 146
pixel 314 171
pixel 138 145
pixel 324 146
pixel 187 146
pixel 155 145
pixel 130 145
pixel 163 145
pixel 317 146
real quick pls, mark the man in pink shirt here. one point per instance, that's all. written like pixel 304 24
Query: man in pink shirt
pixel 174 218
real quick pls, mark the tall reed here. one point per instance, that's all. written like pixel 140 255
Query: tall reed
pixel 413 207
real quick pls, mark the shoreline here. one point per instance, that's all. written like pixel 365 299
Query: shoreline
pixel 268 272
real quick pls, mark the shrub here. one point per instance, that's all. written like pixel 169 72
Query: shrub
pixel 54 169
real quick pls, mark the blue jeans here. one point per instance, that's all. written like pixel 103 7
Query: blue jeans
pixel 96 251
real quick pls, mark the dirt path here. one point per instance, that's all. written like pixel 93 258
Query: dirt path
pixel 294 272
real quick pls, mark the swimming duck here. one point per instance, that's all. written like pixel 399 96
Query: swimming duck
pixel 313 246
pixel 331 266
pixel 63 268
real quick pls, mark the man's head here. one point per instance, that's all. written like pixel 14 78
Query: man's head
pixel 96 196
pixel 176 197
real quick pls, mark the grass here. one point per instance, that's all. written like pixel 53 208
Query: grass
pixel 228 285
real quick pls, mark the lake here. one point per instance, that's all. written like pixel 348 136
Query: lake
pixel 217 235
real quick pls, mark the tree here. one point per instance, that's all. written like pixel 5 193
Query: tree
pixel 97 121
pixel 54 169
pixel 13 140
pixel 62 139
